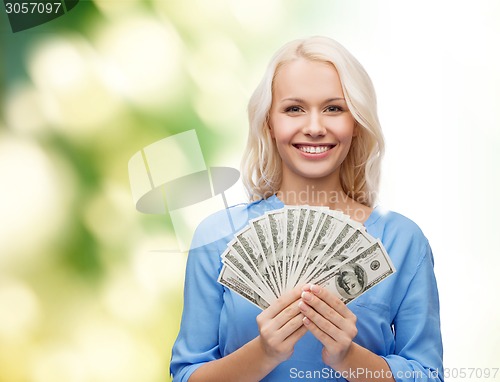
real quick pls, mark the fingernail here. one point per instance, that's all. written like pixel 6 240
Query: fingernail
pixel 306 287
pixel 314 288
pixel 302 306
pixel 306 321
pixel 306 296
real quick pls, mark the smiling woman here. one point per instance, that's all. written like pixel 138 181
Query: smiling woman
pixel 314 139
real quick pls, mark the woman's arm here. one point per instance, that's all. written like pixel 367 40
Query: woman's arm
pixel 280 327
pixel 418 353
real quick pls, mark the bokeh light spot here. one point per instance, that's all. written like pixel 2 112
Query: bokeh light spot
pixel 70 78
pixel 34 200
pixel 19 310
pixel 143 53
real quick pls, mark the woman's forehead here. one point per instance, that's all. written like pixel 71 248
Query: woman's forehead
pixel 304 78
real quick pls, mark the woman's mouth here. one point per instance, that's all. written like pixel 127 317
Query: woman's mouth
pixel 317 149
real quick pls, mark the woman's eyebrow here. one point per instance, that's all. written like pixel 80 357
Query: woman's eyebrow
pixel 335 99
pixel 300 100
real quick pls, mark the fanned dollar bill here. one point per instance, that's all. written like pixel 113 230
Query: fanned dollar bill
pixel 357 274
pixel 303 244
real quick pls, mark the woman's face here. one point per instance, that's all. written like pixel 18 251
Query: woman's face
pixel 309 120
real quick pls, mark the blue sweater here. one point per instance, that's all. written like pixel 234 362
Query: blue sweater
pixel 397 319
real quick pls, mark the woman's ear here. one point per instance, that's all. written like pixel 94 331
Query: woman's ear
pixel 356 130
pixel 271 130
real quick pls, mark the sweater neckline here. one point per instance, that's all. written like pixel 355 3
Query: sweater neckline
pixel 276 202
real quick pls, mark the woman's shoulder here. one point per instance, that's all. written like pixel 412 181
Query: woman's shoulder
pixel 402 238
pixel 392 223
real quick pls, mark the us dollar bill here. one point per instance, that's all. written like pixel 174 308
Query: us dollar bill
pixel 263 234
pixel 233 259
pixel 231 280
pixel 247 260
pixel 250 245
pixel 276 226
pixel 301 227
pixel 324 243
pixel 356 243
pixel 292 222
pixel 358 274
pixel 301 252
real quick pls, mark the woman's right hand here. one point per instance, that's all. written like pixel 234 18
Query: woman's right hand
pixel 281 326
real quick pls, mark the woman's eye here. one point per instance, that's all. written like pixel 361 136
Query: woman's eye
pixel 334 109
pixel 293 109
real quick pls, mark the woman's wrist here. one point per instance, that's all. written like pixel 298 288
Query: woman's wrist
pixel 347 361
pixel 358 357
pixel 268 361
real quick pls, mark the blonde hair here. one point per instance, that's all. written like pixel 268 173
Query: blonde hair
pixel 360 171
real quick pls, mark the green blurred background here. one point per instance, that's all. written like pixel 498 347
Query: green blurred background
pixel 91 289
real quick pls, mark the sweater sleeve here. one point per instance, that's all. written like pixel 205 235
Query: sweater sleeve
pixel 418 354
pixel 198 342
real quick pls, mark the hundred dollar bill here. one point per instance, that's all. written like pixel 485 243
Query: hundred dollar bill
pixel 291 225
pixel 301 226
pixel 346 230
pixel 306 236
pixel 358 274
pixel 263 296
pixel 276 226
pixel 330 229
pixel 232 258
pixel 312 252
pixel 356 243
pixel 251 247
pixel 245 259
pixel 231 280
pixel 262 232
pixel 325 237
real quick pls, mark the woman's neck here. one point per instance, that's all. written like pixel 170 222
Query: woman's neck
pixel 315 192
pixel 320 192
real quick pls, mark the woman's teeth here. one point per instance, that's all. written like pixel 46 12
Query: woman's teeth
pixel 314 149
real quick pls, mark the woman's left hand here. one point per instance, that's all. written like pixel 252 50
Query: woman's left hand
pixel 330 321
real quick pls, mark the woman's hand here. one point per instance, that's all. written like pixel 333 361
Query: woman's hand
pixel 330 321
pixel 281 326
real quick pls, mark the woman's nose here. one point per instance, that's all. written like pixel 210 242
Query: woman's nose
pixel 314 126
